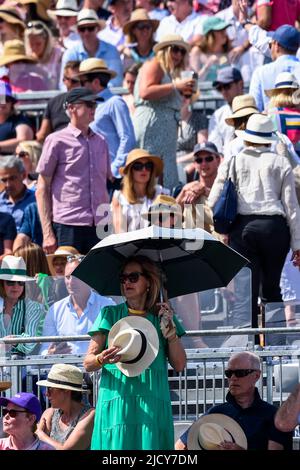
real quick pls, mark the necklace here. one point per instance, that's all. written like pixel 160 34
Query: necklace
pixel 136 312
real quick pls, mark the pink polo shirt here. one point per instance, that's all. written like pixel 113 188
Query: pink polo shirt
pixel 79 167
pixel 6 444
pixel 283 12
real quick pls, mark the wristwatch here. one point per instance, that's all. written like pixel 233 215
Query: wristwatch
pixel 247 21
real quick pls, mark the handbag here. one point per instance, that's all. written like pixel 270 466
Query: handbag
pixel 225 210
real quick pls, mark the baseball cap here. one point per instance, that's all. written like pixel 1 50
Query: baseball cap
pixel 227 75
pixel 25 400
pixel 6 91
pixel 287 36
pixel 205 147
pixel 77 95
pixel 213 23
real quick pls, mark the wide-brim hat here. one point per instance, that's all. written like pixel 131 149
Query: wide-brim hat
pixel 284 81
pixel 242 105
pixel 13 51
pixel 63 252
pixel 93 65
pixel 41 7
pixel 136 154
pixel 138 15
pixel 139 341
pixel 259 130
pixel 171 40
pixel 13 268
pixel 88 16
pixel 65 376
pixel 210 430
pixel 64 8
pixel 163 204
pixel 4 385
pixel 11 15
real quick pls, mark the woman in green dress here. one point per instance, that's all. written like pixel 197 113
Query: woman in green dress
pixel 134 413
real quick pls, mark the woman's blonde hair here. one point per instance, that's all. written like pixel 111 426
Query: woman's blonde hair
pixel 46 33
pixel 128 186
pixel 164 58
pixel 35 259
pixel 152 273
pixel 207 42
pixel 34 150
pixel 283 99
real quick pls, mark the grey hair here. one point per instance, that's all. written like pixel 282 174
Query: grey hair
pixel 10 161
pixel 254 360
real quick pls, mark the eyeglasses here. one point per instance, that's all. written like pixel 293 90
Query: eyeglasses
pixel 82 29
pixel 15 283
pixel 177 49
pixel 239 373
pixel 139 166
pixel 12 413
pixel 72 80
pixel 224 86
pixel 208 159
pixel 36 25
pixel 141 26
pixel 131 277
pixel 72 258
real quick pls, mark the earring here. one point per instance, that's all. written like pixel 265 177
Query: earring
pixel 148 289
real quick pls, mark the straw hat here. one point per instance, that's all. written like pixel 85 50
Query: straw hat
pixel 88 16
pixel 259 130
pixel 11 15
pixel 163 203
pixel 139 341
pixel 4 385
pixel 136 154
pixel 13 51
pixel 93 65
pixel 13 268
pixel 210 430
pixel 64 8
pixel 41 7
pixel 242 105
pixel 284 81
pixel 171 40
pixel 140 14
pixel 61 251
pixel 64 376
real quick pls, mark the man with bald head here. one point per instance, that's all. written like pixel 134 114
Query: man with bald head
pixel 244 405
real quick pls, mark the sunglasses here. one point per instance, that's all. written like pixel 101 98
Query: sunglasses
pixel 224 86
pixel 177 49
pixel 131 277
pixel 82 29
pixel 36 25
pixel 208 159
pixel 139 166
pixel 15 283
pixel 22 154
pixel 239 372
pixel 141 26
pixel 72 80
pixel 72 258
pixel 12 413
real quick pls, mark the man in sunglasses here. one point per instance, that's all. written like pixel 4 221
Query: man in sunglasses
pixel 244 405
pixel 229 83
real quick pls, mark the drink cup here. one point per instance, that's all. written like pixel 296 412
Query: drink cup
pixel 193 76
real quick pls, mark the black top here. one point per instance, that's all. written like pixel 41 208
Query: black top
pixel 7 229
pixel 55 112
pixel 8 128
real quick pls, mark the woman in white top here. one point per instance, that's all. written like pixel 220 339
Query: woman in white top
pixel 139 189
pixel 268 219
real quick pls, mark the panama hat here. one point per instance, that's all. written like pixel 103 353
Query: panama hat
pixel 13 51
pixel 4 385
pixel 163 203
pixel 65 376
pixel 41 7
pixel 11 15
pixel 93 65
pixel 171 40
pixel 210 430
pixel 136 154
pixel 140 14
pixel 242 105
pixel 88 16
pixel 284 80
pixel 64 8
pixel 61 251
pixel 13 268
pixel 259 130
pixel 139 341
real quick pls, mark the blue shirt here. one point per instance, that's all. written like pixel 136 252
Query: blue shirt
pixel 31 224
pixel 265 76
pixel 62 320
pixel 105 51
pixel 112 120
pixel 16 209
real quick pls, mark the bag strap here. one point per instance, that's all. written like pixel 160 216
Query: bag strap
pixel 232 170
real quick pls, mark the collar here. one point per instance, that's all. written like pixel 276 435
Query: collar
pixel 230 399
pixel 77 132
pixel 284 57
pixel 27 192
pixel 106 94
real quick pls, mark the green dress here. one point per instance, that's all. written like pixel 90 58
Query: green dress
pixel 133 413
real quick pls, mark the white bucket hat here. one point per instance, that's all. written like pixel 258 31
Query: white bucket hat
pixel 259 130
pixel 64 376
pixel 284 80
pixel 13 268
pixel 210 430
pixel 64 8
pixel 139 341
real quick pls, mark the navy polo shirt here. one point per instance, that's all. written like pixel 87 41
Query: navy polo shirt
pixel 31 225
pixel 16 209
pixel 257 422
pixel 7 229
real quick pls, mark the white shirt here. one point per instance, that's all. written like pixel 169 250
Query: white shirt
pixel 111 34
pixel 218 131
pixel 188 28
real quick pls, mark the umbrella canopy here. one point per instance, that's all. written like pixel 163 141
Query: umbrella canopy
pixel 192 260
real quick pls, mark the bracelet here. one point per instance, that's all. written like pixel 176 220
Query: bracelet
pixel 99 360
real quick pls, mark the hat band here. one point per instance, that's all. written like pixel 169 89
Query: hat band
pixel 87 19
pixel 244 107
pixel 11 13
pixel 284 83
pixel 259 134
pixel 66 9
pixel 62 382
pixel 142 351
pixel 21 272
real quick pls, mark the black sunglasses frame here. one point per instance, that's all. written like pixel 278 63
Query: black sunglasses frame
pixel 12 413
pixel 90 28
pixel 13 283
pixel 208 159
pixel 177 49
pixel 139 166
pixel 239 373
pixel 133 277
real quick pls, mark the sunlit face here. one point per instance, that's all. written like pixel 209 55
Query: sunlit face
pixel 177 55
pixel 140 172
pixel 129 81
pixel 74 285
pixel 134 290
pixel 220 37
pixel 88 33
pixel 16 425
pixel 13 290
pixel 12 181
pixel 206 163
pixel 122 8
pixel 143 31
pixel 84 112
pixel 7 31
pixel 65 24
pixel 240 386
pixel 59 264
pixel 56 396
pixel 6 109
pixel 37 44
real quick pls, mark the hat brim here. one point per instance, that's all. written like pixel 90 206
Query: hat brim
pixel 14 58
pixel 4 385
pixel 89 22
pixel 255 139
pixel 66 13
pixel 112 73
pixel 135 369
pixel 241 113
pixel 10 19
pixel 45 383
pixel 16 277
pixel 163 44
pixel 226 422
pixel 276 91
pixel 161 210
pixel 217 28
pixel 157 161
pixel 131 24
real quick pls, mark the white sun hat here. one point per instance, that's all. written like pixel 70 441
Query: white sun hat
pixel 13 268
pixel 64 8
pixel 259 130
